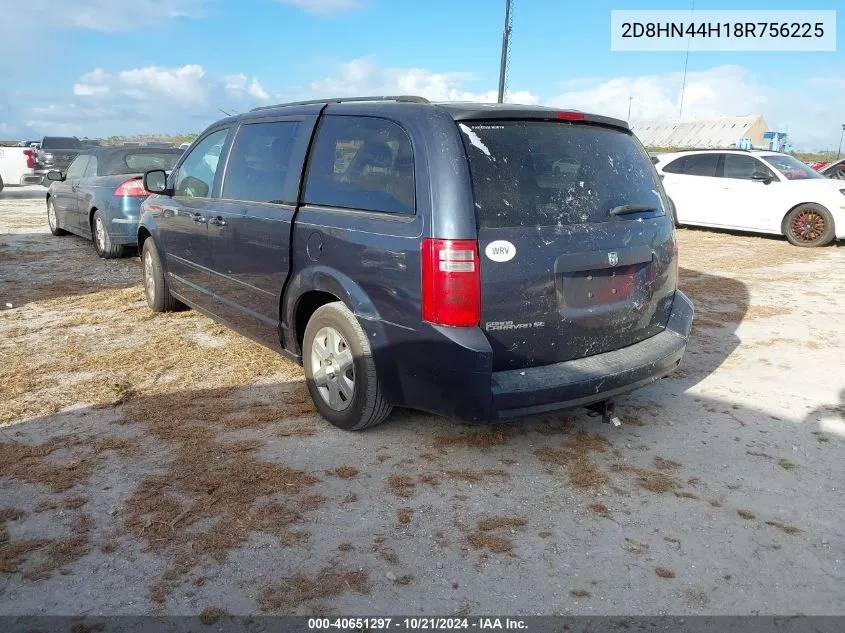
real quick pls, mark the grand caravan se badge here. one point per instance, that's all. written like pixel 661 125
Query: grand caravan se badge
pixel 500 251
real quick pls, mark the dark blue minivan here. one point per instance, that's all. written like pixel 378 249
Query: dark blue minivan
pixel 475 261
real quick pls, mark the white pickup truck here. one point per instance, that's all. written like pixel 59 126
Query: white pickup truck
pixel 17 167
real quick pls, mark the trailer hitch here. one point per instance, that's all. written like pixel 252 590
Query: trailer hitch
pixel 607 410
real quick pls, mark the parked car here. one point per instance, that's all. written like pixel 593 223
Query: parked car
pixel 184 146
pixel 56 152
pixel 100 194
pixel 759 191
pixel 425 255
pixel 835 171
pixel 17 167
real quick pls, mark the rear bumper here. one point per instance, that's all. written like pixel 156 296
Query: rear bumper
pixel 448 371
pixel 592 379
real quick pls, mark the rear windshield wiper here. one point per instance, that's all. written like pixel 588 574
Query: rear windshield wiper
pixel 630 208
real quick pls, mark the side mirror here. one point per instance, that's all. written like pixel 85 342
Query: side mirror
pixel 155 181
pixel 55 175
pixel 761 177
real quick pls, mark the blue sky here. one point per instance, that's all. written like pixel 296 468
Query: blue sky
pixel 103 67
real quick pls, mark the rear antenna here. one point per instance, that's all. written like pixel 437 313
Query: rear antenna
pixel 224 112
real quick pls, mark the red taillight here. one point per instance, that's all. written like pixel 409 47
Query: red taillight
pixel 570 116
pixel 132 188
pixel 30 158
pixel 451 282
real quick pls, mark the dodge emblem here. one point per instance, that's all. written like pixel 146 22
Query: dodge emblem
pixel 613 258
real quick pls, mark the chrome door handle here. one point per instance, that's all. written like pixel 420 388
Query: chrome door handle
pixel 218 221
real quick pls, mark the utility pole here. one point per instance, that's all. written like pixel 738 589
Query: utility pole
pixel 506 35
pixel 630 100
pixel 839 151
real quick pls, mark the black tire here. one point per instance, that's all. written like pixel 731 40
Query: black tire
pixel 102 242
pixel 366 407
pixel 1 184
pixel 53 219
pixel 156 288
pixel 809 225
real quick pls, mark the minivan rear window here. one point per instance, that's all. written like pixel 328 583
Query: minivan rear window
pixel 548 173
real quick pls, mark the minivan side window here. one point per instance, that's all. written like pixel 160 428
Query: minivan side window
pixel 259 163
pixel 195 176
pixel 694 165
pixel 361 163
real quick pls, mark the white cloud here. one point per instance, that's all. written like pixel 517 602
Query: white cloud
pixel 810 116
pixel 185 84
pixel 187 98
pixel 237 85
pixel 108 16
pixel 322 6
pixel 364 77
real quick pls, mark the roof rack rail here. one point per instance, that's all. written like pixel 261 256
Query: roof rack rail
pixel 402 98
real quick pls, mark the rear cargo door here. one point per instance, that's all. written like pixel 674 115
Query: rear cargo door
pixel 577 252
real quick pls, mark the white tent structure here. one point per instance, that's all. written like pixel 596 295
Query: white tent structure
pixel 721 132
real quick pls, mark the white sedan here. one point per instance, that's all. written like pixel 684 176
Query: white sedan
pixel 759 191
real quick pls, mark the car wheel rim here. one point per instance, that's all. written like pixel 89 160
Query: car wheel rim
pixel 149 278
pixel 808 227
pixel 334 368
pixel 101 233
pixel 51 215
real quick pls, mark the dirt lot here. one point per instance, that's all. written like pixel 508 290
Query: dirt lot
pixel 161 464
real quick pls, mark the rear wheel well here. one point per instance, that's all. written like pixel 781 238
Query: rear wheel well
pixel 307 306
pixel 143 234
pixel 91 213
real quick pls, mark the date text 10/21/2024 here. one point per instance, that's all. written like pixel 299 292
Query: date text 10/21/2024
pixel 417 624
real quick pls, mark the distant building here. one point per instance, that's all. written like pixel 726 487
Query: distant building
pixel 722 132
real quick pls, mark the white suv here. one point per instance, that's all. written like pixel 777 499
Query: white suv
pixel 759 191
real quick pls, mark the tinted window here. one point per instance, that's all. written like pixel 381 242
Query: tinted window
pixel 259 162
pixel 694 165
pixel 551 174
pixel 61 142
pixel 361 163
pixel 195 176
pixel 150 160
pixel 77 168
pixel 742 167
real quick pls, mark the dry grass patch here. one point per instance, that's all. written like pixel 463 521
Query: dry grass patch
pixel 40 557
pixel 404 515
pixel 600 509
pixel 344 472
pixel 481 537
pixel 210 615
pixel 401 485
pixel 746 514
pixel 475 476
pixel 29 463
pixel 785 464
pixel 580 593
pixel 299 589
pixel 573 455
pixel 475 439
pixel 651 480
pixel 209 500
pixel 663 572
pixel 661 463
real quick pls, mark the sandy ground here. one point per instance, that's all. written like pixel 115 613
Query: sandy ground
pixel 161 464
